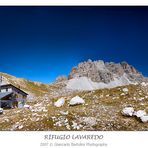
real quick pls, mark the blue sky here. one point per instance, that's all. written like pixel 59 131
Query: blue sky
pixel 40 43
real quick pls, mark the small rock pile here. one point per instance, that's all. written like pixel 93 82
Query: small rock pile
pixel 141 114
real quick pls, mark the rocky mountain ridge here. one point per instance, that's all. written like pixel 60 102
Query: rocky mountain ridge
pixel 100 71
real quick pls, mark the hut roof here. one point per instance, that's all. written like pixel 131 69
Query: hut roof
pixel 10 85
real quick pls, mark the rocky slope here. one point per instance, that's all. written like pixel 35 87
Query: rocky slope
pixel 100 110
pixel 34 89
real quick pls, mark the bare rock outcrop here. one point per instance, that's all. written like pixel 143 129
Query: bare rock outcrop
pixel 100 71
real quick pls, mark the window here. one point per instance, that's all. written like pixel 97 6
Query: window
pixel 9 89
pixel 3 90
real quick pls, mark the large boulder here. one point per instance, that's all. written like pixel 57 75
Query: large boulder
pixel 76 100
pixel 60 102
pixel 128 111
pixel 140 113
pixel 144 118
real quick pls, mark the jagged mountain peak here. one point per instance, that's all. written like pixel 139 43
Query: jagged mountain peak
pixel 89 75
pixel 100 71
